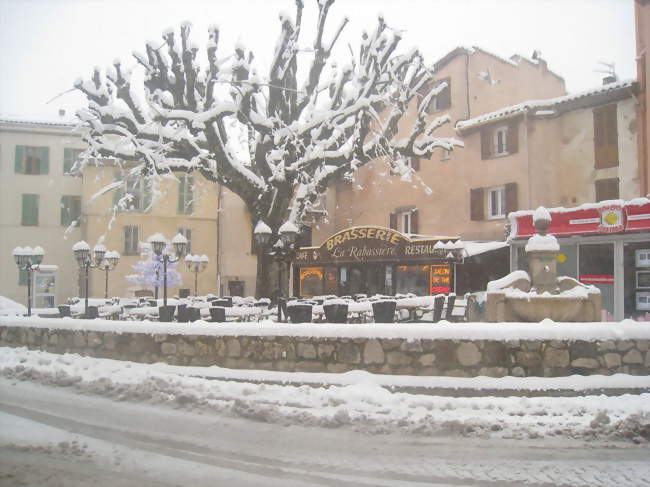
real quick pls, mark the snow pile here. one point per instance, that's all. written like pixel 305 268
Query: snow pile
pixel 10 307
pixel 362 405
pixel 539 242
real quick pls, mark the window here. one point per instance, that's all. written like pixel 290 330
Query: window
pixel 186 195
pixel 187 233
pixel 441 101
pixel 405 220
pixel 70 157
pixel 70 210
pixel 446 155
pixel 131 240
pixel 605 137
pixel 607 189
pixel 32 160
pixel 413 162
pixel 496 202
pixel 30 210
pixel 499 141
pixel 499 201
pixel 133 195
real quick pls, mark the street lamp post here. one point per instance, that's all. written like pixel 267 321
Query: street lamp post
pixel 28 259
pixel 196 264
pixel 111 259
pixel 282 251
pixel 100 259
pixel 158 246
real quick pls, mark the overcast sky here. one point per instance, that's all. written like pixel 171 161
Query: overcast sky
pixel 46 44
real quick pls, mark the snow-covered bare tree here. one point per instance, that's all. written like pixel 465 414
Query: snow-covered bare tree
pixel 279 140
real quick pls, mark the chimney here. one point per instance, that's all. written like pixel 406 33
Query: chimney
pixel 610 78
pixel 542 64
pixel 61 112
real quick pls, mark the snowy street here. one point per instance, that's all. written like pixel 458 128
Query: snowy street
pixel 78 421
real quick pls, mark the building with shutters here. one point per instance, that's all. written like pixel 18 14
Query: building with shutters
pixel 642 24
pixel 435 199
pixel 179 203
pixel 40 199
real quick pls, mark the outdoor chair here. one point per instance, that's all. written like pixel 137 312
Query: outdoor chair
pixel 193 314
pixel 438 305
pixel 451 299
pixel 300 313
pixel 64 310
pixel 217 314
pixel 182 315
pixel 92 313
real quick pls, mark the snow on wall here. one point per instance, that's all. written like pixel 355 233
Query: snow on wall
pixel 546 330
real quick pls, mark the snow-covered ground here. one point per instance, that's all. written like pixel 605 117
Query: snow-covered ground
pixel 358 402
pixel 76 421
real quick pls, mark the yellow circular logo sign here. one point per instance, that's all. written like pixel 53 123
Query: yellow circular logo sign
pixel 562 258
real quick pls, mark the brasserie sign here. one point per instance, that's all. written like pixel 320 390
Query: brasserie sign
pixel 376 244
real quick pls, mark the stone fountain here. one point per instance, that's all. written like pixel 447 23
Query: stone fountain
pixel 533 297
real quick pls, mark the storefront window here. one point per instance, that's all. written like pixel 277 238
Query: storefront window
pixel 311 281
pixel 597 269
pixel 413 279
pixel 331 281
pixel 636 290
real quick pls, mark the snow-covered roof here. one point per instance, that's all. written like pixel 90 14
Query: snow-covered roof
pixel 600 94
pixel 66 123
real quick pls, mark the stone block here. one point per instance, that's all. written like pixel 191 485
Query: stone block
pixel 633 357
pixel 94 339
pixel 427 360
pixel 624 345
pixel 109 341
pixel 187 349
pixel 373 353
pixel 306 351
pixel 529 359
pixel 326 351
pixel 457 373
pixel 405 370
pixel 397 358
pixel 647 359
pixel 556 357
pixel 348 353
pixel 643 345
pixel 168 348
pixel 233 348
pixel 582 349
pixel 606 346
pixel 445 351
pixel 414 346
pixel 531 345
pixel 160 337
pixel 432 371
pixel 79 339
pixel 468 354
pixel 390 344
pixel 518 372
pixel 495 354
pixel 612 360
pixel 585 363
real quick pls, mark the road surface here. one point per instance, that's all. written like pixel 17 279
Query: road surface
pixel 52 436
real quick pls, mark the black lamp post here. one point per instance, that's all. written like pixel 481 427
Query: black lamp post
pixel 111 259
pixel 100 255
pixel 196 264
pixel 158 244
pixel 282 251
pixel 28 259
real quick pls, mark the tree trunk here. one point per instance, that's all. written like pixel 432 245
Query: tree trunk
pixel 266 285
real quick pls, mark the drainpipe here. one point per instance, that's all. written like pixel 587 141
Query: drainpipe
pixel 530 178
pixel 219 214
pixel 467 84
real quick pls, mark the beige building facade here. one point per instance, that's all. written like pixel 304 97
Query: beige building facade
pixel 171 204
pixel 38 202
pixel 435 199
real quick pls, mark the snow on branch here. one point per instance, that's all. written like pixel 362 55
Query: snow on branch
pixel 278 141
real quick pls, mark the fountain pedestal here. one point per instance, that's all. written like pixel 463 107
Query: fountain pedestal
pixel 541 294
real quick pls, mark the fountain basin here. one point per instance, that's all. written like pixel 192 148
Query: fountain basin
pixel 535 308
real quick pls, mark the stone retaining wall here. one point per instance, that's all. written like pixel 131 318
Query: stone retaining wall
pixel 429 357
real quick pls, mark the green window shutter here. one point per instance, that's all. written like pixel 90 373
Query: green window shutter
pixel 30 210
pixel 19 167
pixel 189 195
pixel 67 160
pixel 45 160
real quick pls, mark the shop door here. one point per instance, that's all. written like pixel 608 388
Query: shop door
pixel 376 279
pixel 596 265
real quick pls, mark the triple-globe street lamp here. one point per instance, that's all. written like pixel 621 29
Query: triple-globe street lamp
pixel 159 245
pixel 196 264
pixel 28 259
pixel 105 260
pixel 282 250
